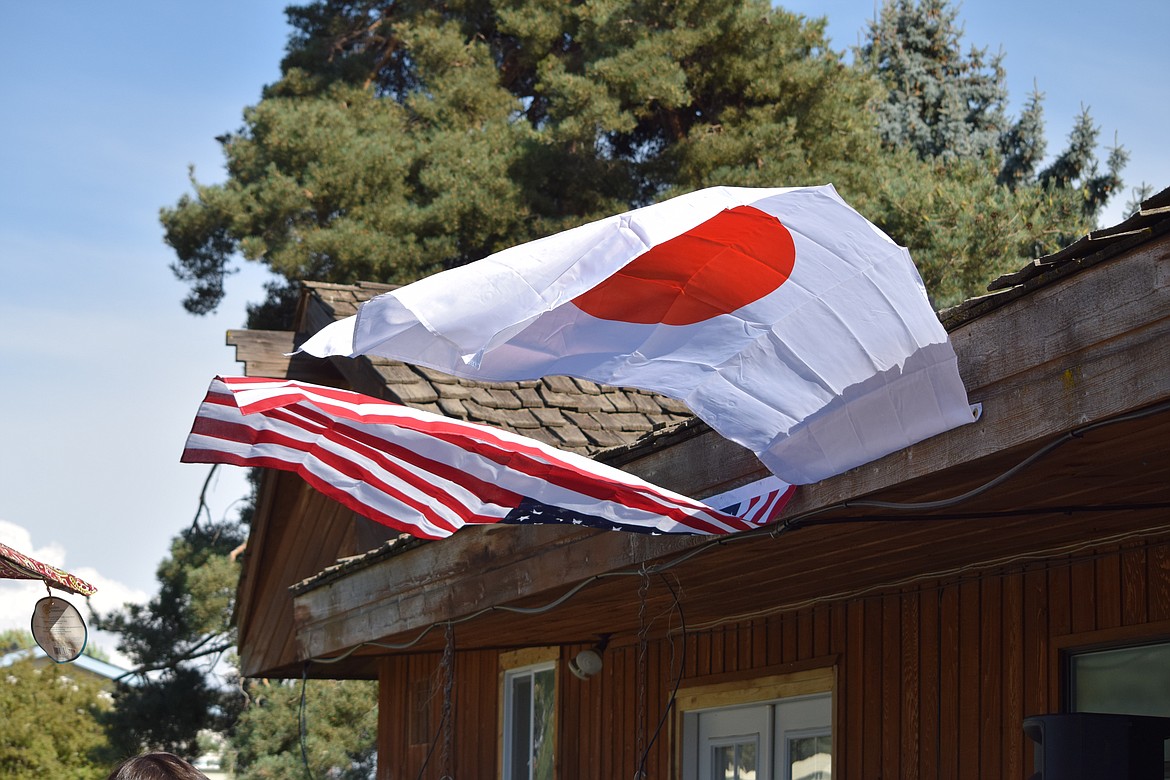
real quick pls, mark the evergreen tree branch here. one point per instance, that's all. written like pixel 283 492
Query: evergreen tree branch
pixel 174 662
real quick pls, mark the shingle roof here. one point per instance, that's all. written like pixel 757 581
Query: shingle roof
pixel 1152 219
pixel 569 413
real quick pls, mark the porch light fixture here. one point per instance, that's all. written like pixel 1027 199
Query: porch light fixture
pixel 588 662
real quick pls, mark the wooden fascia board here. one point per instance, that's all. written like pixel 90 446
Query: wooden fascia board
pixel 263 352
pixel 1093 346
pixel 267 353
pixel 475 569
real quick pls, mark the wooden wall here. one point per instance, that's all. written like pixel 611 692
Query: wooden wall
pixel 933 679
pixel 276 557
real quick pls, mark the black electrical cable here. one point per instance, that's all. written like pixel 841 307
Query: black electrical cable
pixel 682 665
pixel 924 506
pixel 302 724
pixel 434 744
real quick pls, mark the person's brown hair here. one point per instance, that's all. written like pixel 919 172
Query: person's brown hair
pixel 155 766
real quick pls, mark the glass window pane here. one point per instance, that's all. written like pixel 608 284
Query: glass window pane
pixel 1128 680
pixel 520 727
pixel 1125 681
pixel 543 702
pixel 735 761
pixel 529 733
pixel 747 761
pixel 810 757
pixel 723 762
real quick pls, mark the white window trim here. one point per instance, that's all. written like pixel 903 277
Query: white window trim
pixel 768 689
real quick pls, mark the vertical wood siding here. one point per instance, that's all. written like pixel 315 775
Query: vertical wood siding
pixel 933 680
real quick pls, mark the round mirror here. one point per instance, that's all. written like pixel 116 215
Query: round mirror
pixel 59 629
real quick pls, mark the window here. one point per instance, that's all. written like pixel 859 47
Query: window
pixel 804 734
pixel 786 736
pixel 1131 680
pixel 529 707
pixel 733 742
pixel 1126 680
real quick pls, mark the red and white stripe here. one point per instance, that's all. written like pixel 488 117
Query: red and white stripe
pixel 758 502
pixel 418 472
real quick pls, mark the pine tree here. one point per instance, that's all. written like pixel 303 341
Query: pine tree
pixel 405 137
pixel 973 203
pixel 940 102
pixel 1076 168
pixel 340 723
pixel 1022 146
pixel 175 640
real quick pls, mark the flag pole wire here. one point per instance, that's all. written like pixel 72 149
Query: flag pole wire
pixel 796 522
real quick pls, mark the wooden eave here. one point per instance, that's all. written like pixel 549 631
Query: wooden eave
pixel 1077 349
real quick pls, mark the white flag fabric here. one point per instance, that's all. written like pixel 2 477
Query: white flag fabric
pixel 781 317
pixel 430 475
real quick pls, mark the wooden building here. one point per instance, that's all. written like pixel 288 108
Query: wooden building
pixel 900 621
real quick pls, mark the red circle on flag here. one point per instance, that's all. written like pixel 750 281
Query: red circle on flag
pixel 736 257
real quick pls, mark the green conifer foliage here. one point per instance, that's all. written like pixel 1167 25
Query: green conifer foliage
pixel 1076 168
pixel 974 204
pixel 1022 146
pixel 940 102
pixel 175 640
pixel 405 137
pixel 340 720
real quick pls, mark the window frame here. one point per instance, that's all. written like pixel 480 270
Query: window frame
pixel 741 690
pixel 1065 647
pixel 1069 669
pixel 528 662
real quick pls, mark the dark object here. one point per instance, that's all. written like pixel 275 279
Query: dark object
pixel 155 766
pixel 1084 745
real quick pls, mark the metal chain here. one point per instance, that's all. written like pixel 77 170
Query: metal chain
pixel 448 666
pixel 641 669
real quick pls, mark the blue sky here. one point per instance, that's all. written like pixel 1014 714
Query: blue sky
pixel 107 106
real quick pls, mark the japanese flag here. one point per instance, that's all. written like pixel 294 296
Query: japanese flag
pixel 782 317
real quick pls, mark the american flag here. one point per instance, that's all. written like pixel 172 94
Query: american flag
pixel 758 502
pixel 426 474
